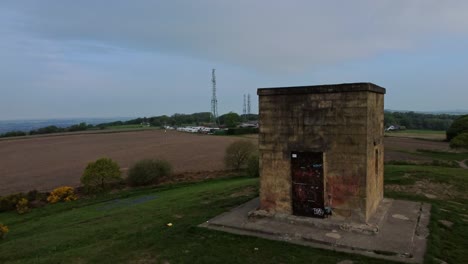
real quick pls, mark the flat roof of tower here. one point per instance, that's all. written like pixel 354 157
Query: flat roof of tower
pixel 326 88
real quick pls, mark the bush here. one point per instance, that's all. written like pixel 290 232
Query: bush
pixel 459 126
pixel 22 206
pixel 47 130
pixel 460 141
pixel 253 168
pixel 148 171
pixel 35 195
pixel 242 131
pixel 3 230
pixel 8 203
pixel 237 154
pixel 220 132
pixel 100 174
pixel 13 134
pixel 445 163
pixel 64 193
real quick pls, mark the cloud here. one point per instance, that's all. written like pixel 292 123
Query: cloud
pixel 265 35
pixel 65 58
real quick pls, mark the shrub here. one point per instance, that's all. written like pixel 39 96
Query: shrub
pixel 220 132
pixel 64 193
pixel 100 174
pixel 22 206
pixel 237 154
pixel 460 141
pixel 8 203
pixel 459 126
pixel 32 195
pixel 445 163
pixel 13 134
pixel 242 130
pixel 3 230
pixel 253 168
pixel 401 162
pixel 148 171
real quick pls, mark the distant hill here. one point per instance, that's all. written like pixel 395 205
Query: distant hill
pixel 441 112
pixel 28 125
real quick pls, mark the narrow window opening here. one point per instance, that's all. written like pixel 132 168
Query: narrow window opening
pixel 376 162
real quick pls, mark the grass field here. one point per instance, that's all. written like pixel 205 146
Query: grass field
pixel 131 127
pixel 447 190
pixel 438 156
pixel 130 226
pixel 438 135
pixel 102 230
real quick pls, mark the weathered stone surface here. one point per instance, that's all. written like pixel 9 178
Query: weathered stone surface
pixel 382 237
pixel 345 123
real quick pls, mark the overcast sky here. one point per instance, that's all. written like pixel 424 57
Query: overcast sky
pixel 88 58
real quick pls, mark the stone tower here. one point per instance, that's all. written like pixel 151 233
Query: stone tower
pixel 321 150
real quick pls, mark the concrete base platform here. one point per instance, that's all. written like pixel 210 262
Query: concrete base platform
pixel 398 230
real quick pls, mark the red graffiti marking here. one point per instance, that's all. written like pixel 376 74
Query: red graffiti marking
pixel 340 189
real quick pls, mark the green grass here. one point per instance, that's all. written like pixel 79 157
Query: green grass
pixel 130 226
pixel 441 155
pixel 419 131
pixel 409 174
pixel 101 231
pixel 436 155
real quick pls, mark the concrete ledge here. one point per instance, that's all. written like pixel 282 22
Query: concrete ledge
pixel 328 88
pixel 400 236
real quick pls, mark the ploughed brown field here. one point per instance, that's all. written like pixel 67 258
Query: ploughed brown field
pixel 43 163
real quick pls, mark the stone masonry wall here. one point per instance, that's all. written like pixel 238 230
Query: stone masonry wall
pixel 342 125
pixel 375 152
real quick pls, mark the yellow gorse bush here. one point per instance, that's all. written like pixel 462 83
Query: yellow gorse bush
pixel 64 193
pixel 22 206
pixel 3 230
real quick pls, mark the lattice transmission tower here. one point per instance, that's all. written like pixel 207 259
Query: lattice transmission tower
pixel 214 101
pixel 244 109
pixel 248 106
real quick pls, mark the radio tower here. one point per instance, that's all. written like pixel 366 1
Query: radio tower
pixel 244 110
pixel 248 106
pixel 214 101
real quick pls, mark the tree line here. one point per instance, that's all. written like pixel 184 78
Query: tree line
pixel 230 119
pixel 412 120
pixel 409 120
pixel 49 130
pixel 176 120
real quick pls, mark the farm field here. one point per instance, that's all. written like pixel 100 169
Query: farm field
pixel 422 134
pixel 44 163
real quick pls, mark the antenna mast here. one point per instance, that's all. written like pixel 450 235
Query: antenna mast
pixel 214 101
pixel 244 109
pixel 248 106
